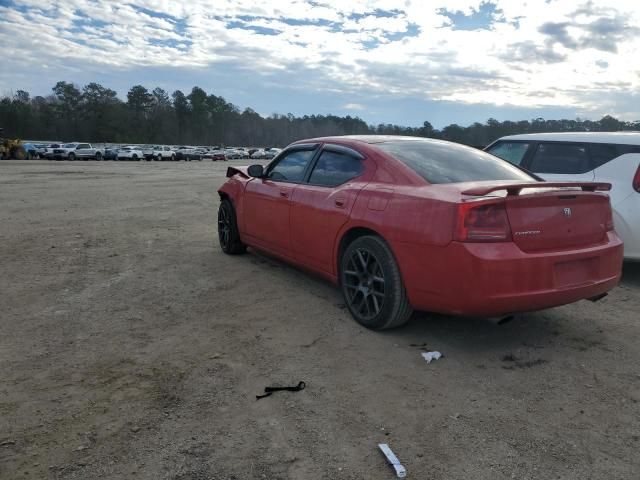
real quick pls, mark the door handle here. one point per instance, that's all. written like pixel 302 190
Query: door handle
pixel 284 193
pixel 340 202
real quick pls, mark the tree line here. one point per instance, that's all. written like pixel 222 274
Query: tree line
pixel 94 113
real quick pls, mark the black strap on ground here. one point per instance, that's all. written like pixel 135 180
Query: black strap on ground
pixel 270 390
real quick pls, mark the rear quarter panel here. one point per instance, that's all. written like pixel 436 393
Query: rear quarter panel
pixel 625 201
pixel 619 172
pixel 410 219
pixel 422 215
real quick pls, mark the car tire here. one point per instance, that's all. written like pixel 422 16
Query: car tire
pixel 228 235
pixel 173 158
pixel 71 157
pixel 135 158
pixel 98 156
pixel 372 286
pixel 159 158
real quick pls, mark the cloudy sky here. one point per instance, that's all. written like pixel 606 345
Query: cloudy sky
pixel 403 61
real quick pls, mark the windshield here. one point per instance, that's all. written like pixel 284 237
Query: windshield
pixel 444 162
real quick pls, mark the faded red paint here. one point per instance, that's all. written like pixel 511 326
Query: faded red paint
pixel 303 224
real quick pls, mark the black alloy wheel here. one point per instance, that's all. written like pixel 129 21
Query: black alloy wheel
pixel 228 235
pixel 364 282
pixel 371 284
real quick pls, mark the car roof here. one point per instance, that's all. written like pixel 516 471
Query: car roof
pixel 629 138
pixel 371 139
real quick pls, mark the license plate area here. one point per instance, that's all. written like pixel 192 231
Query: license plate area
pixel 576 272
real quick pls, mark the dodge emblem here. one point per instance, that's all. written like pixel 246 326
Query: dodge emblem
pixel 567 212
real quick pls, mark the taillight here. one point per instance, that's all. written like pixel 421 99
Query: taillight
pixel 481 221
pixel 636 180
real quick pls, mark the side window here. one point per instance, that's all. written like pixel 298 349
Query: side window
pixel 624 149
pixel 333 169
pixel 560 158
pixel 83 145
pixel 602 153
pixel 291 167
pixel 512 152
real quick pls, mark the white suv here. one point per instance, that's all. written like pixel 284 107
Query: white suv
pixel 130 152
pixel 612 157
pixel 159 152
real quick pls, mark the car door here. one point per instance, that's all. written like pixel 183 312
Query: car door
pixel 322 205
pixel 561 161
pixel 83 150
pixel 267 200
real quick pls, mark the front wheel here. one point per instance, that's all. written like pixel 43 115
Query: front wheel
pixel 71 157
pixel 228 229
pixel 372 285
pixel 98 156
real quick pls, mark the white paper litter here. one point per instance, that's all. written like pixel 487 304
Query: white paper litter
pixel 401 472
pixel 428 356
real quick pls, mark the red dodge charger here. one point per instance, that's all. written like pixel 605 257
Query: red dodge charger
pixel 404 223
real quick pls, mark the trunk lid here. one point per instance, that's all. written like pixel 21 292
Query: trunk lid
pixel 547 216
pixel 557 220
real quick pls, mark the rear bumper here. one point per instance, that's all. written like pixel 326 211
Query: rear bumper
pixel 485 280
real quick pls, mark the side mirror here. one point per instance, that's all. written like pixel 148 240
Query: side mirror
pixel 256 171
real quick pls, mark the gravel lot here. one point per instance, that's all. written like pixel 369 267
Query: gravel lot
pixel 131 347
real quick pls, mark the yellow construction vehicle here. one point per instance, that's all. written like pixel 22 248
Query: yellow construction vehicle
pixel 11 148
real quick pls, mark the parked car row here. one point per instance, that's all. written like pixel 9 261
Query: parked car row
pixel 86 151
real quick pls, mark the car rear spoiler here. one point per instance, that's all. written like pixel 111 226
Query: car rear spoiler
pixel 231 171
pixel 516 188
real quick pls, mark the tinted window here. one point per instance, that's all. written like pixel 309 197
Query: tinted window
pixel 84 145
pixel 602 153
pixel 333 169
pixel 444 162
pixel 512 152
pixel 291 167
pixel 560 158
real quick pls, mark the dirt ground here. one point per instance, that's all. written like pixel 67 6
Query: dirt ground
pixel 132 347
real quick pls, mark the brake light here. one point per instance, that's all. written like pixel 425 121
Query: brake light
pixel 483 222
pixel 636 180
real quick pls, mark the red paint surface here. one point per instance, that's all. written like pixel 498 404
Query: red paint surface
pixel 572 258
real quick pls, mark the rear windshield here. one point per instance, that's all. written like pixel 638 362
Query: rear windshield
pixel 445 162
